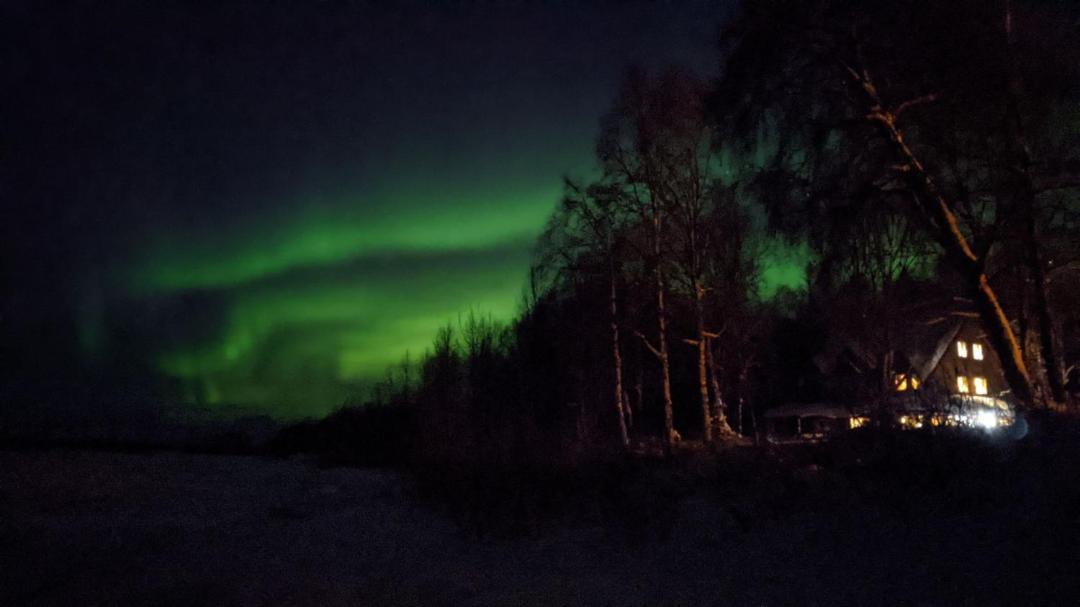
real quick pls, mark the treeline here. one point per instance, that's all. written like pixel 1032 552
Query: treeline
pixel 924 153
pixel 641 323
pixel 911 130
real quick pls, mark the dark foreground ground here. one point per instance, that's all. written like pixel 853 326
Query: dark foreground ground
pixel 849 524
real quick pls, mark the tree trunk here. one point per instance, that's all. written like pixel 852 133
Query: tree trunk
pixel 665 367
pixel 639 386
pixel 1025 322
pixel 1002 338
pixel 885 378
pixel 1048 348
pixel 753 419
pixel 662 349
pixel 742 403
pixel 719 418
pixel 620 405
pixel 1025 193
pixel 946 229
pixel 1047 333
pixel 703 372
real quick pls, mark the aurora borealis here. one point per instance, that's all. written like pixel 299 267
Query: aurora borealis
pixel 265 205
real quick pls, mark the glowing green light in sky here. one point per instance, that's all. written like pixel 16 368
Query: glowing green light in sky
pixel 319 304
pixel 784 266
pixel 328 235
pixel 320 295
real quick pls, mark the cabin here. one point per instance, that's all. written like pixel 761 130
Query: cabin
pixel 961 362
pixel 943 372
pixel 955 379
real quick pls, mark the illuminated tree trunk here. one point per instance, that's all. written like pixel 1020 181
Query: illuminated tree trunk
pixel 946 228
pixel 703 381
pixel 660 351
pixel 719 417
pixel 620 401
pixel 665 367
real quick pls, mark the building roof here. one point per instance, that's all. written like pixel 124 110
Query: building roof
pixel 925 351
pixel 923 345
pixel 809 410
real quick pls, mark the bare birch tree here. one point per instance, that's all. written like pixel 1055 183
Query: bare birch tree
pixel 587 226
pixel 636 154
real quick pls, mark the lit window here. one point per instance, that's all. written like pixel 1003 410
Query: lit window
pixel 903 382
pixel 961 349
pixel 976 351
pixel 962 385
pixel 980 385
pixel 911 421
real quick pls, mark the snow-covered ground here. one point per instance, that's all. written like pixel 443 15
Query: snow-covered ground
pixel 93 528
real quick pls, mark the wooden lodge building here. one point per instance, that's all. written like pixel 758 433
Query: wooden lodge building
pixel 940 372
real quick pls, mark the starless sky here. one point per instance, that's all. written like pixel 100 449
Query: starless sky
pixel 266 203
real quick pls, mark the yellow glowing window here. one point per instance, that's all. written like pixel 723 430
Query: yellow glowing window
pixel 962 385
pixel 980 385
pixel 903 382
pixel 911 421
pixel 976 351
pixel 961 349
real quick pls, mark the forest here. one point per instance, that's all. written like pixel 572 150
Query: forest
pixel 232 217
pixel 929 173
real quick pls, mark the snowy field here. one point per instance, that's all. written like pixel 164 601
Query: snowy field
pixel 93 528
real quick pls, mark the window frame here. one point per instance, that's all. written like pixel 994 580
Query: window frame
pixel 980 382
pixel 963 386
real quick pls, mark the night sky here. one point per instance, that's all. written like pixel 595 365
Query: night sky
pixel 262 205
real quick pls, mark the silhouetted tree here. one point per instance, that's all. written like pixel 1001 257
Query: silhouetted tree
pixel 588 227
pixel 639 150
pixel 940 109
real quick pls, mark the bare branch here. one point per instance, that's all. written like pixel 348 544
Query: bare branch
pixel 900 109
pixel 648 344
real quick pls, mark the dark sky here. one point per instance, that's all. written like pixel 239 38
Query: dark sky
pixel 264 203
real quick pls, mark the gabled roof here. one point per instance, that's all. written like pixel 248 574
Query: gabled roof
pixel 923 344
pixel 925 357
pixel 855 354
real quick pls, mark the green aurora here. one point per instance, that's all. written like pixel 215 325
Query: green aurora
pixel 319 295
pixel 313 297
pixel 260 209
pixel 318 307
